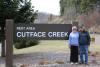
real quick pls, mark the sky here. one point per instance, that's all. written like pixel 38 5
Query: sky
pixel 48 6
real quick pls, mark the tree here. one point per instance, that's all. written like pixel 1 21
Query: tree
pixel 66 4
pixel 82 6
pixel 70 9
pixel 86 5
pixel 21 11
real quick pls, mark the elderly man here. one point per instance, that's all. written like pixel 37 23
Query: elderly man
pixel 84 42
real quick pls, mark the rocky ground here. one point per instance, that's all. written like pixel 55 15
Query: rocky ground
pixel 49 59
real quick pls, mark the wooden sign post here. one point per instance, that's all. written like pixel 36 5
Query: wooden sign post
pixel 9 43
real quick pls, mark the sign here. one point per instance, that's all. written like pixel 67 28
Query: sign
pixel 41 31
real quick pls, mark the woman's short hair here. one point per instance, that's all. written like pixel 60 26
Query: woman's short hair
pixel 74 27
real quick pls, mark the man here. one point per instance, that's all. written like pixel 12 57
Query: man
pixel 84 43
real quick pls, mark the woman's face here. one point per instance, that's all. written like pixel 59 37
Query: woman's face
pixel 74 30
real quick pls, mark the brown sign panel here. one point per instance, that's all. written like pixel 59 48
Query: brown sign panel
pixel 41 31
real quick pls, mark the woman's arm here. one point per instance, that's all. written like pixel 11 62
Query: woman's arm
pixel 69 41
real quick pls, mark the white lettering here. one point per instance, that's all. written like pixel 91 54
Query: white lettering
pixel 18 34
pixel 50 34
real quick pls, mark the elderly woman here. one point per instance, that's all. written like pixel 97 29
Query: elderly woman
pixel 73 44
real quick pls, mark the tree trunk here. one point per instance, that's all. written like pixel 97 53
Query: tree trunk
pixel 2 41
pixel 3 48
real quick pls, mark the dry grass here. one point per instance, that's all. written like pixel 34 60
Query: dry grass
pixel 45 46
pixel 52 46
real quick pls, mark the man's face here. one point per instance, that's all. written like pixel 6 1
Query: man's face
pixel 81 29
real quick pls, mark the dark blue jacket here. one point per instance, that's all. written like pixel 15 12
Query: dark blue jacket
pixel 84 38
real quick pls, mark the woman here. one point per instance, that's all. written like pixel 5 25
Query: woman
pixel 73 44
pixel 84 42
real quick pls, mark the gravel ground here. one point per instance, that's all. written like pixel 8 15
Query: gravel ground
pixel 97 39
pixel 48 59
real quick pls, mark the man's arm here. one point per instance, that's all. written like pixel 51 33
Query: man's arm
pixel 89 38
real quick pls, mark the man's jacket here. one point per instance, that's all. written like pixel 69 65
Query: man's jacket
pixel 84 38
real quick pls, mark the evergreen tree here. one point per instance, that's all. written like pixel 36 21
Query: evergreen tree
pixel 21 11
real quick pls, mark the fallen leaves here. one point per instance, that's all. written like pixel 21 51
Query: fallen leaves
pixel 94 54
pixel 59 62
pixel 44 62
pixel 24 65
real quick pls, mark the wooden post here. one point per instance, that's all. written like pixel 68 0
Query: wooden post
pixel 9 43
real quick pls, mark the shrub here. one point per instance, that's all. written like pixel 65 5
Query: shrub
pixel 25 44
pixel 17 45
pixel 31 43
pixel 21 44
pixel 93 39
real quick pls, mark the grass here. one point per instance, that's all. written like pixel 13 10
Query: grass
pixel 45 46
pixel 51 46
pixel 95 48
